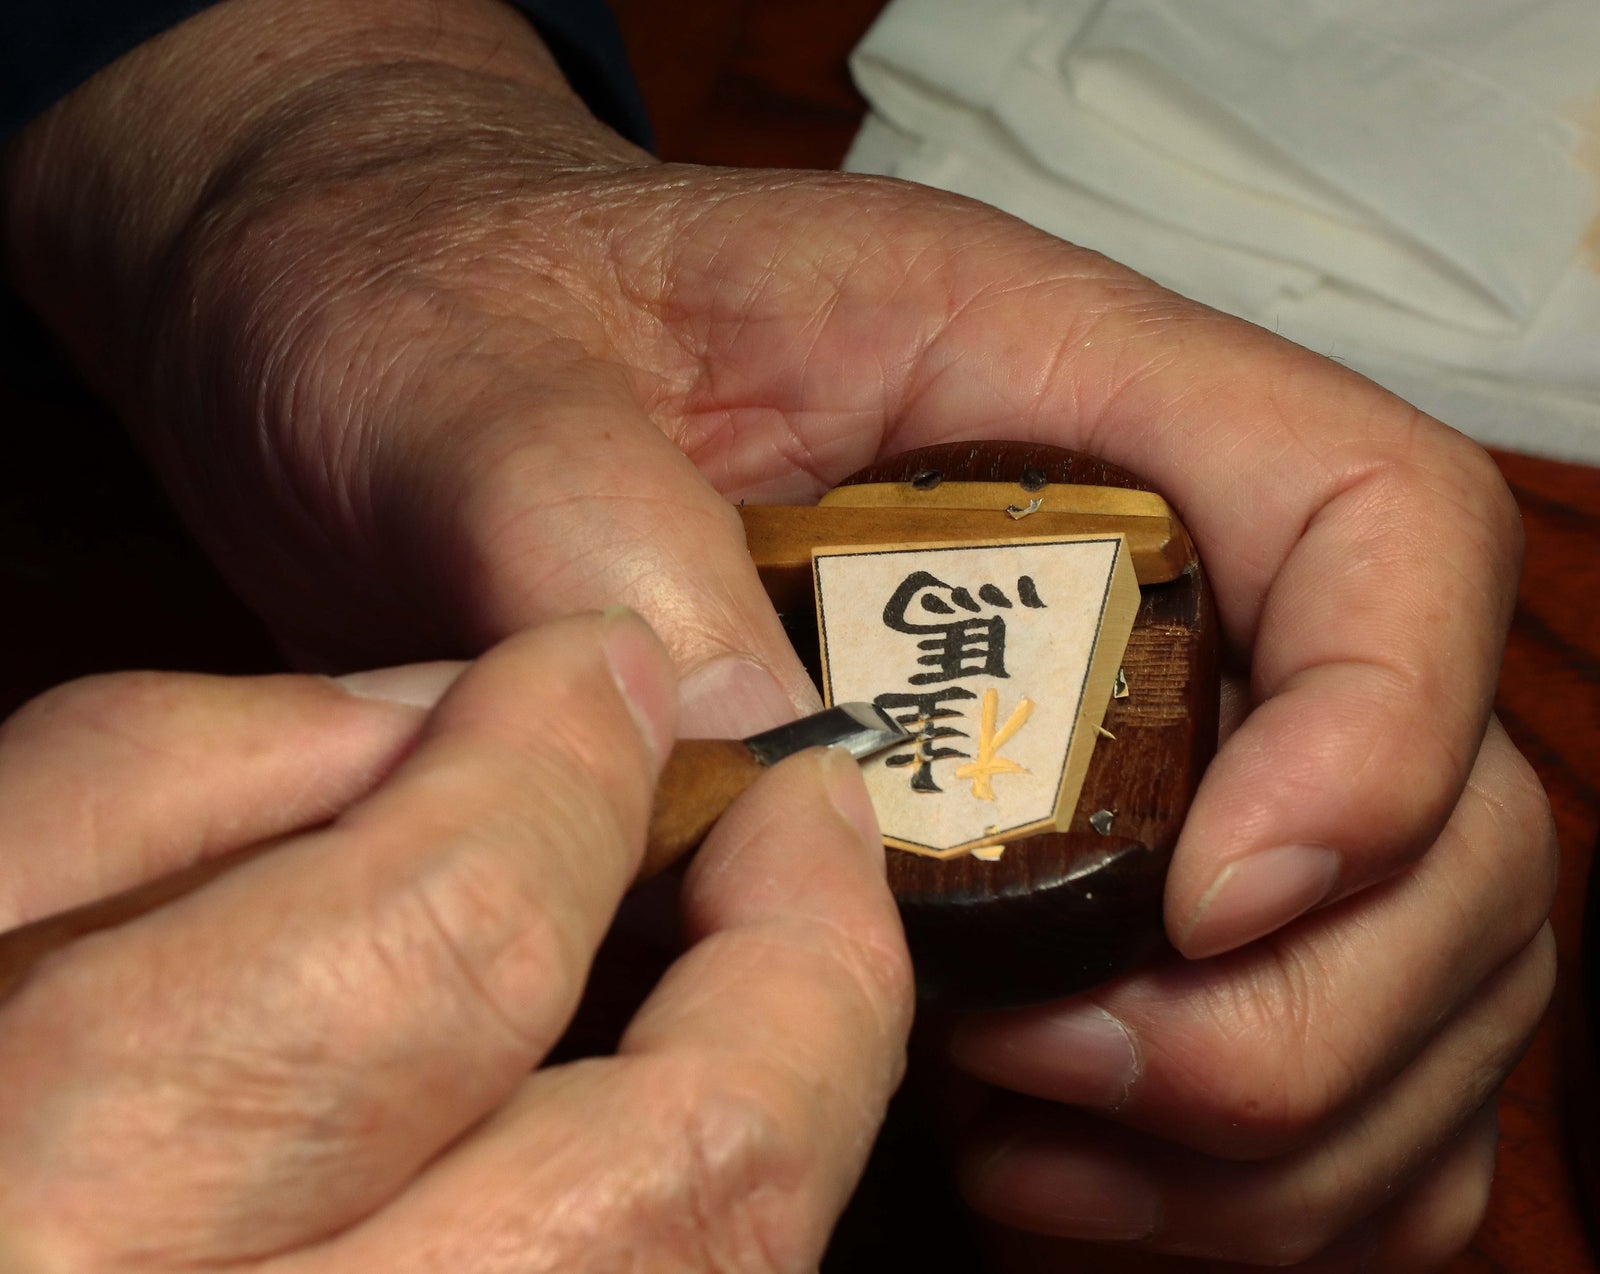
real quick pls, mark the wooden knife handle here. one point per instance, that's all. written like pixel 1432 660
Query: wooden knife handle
pixel 702 777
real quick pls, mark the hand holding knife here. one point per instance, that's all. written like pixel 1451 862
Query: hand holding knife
pixel 701 779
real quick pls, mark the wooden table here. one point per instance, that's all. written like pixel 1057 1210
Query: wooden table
pixel 98 575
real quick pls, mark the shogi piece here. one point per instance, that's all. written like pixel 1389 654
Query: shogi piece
pixel 1075 898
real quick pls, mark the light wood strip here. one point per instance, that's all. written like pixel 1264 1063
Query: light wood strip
pixel 1053 497
pixel 781 538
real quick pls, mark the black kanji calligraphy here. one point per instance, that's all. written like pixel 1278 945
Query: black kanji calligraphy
pixel 925 716
pixel 967 645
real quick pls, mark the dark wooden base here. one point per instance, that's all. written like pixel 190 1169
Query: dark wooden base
pixel 1062 912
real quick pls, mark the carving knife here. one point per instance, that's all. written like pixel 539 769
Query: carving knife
pixel 701 779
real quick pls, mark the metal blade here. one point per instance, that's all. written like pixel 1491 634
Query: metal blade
pixel 859 728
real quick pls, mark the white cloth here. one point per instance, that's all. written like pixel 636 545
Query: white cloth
pixel 1413 188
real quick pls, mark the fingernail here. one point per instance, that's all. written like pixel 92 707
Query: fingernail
pixel 643 674
pixel 1069 1191
pixel 1080 1055
pixel 415 685
pixel 1256 895
pixel 731 697
pixel 841 772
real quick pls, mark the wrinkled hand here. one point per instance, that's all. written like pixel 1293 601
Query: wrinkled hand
pixel 475 363
pixel 1325 1091
pixel 321 1061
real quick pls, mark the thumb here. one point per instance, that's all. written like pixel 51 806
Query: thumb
pixel 583 503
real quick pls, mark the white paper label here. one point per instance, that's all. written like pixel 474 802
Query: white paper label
pixel 984 652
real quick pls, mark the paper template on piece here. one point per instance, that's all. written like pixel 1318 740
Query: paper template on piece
pixel 999 657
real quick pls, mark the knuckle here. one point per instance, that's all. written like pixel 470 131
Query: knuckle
pixel 1278 1080
pixel 1472 505
pixel 1505 848
pixel 879 968
pixel 594 781
pixel 1445 1207
pixel 742 1169
pixel 1530 982
pixel 868 952
pixel 466 923
pixel 1150 329
pixel 1417 769
pixel 1520 808
pixel 1455 1219
pixel 1485 491
pixel 1333 1200
pixel 1293 1229
pixel 887 972
pixel 1321 1211
pixel 1459 1218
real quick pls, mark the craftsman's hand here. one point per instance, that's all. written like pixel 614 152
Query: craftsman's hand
pixel 1325 1091
pixel 324 1061
pixel 384 290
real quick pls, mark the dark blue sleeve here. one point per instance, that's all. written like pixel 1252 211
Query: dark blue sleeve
pixel 49 47
pixel 583 37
